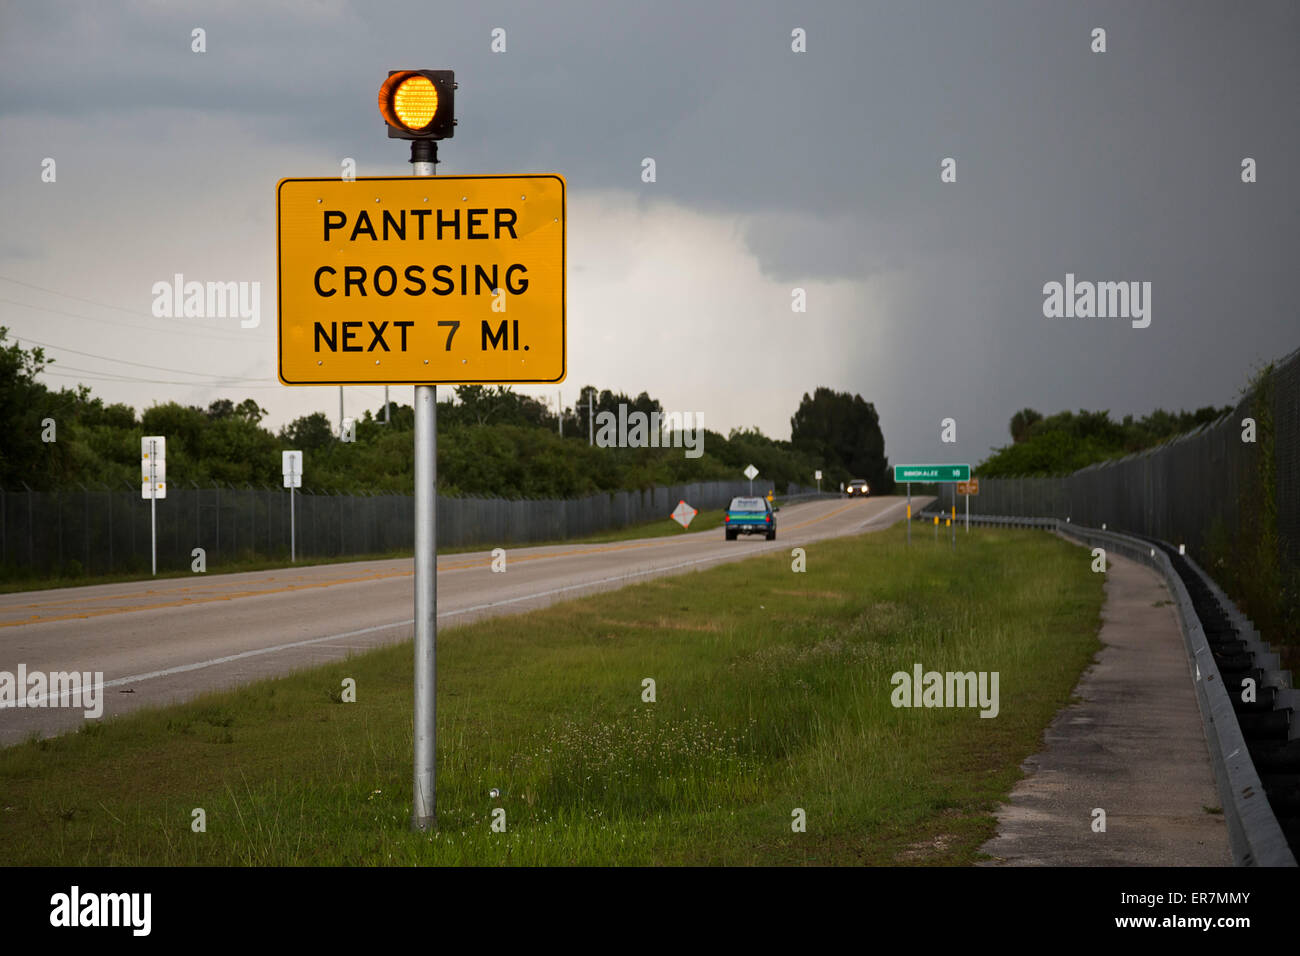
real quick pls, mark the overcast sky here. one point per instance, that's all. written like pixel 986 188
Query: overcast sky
pixel 775 170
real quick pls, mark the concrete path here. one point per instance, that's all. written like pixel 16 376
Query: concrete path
pixel 1133 747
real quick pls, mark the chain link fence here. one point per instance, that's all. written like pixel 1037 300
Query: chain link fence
pixel 89 531
pixel 1234 503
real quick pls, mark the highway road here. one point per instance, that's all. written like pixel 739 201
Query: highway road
pixel 169 640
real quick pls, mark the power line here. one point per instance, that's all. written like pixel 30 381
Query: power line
pixel 66 295
pixel 156 368
pixel 94 375
pixel 126 325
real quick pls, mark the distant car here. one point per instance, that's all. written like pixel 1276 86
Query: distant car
pixel 857 488
pixel 749 516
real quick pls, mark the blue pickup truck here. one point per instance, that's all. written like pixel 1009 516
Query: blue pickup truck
pixel 749 516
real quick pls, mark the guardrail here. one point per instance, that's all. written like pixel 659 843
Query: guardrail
pixel 1220 640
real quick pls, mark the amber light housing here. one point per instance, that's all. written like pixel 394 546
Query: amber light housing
pixel 419 104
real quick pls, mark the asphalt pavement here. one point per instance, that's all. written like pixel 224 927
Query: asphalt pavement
pixel 168 640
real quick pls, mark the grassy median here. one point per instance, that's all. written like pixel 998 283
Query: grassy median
pixel 772 695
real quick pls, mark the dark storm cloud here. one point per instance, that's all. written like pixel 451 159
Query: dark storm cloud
pixel 1114 166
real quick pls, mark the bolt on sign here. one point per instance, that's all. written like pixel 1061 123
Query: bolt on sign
pixel 422 280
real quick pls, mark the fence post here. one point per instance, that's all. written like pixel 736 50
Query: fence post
pixel 252 520
pixel 85 517
pixel 31 547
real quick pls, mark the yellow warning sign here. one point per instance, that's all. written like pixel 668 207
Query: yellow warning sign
pixel 421 280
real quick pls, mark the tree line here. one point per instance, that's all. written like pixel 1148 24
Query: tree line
pixel 492 442
pixel 1067 441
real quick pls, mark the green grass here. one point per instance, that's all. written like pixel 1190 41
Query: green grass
pixel 658 528
pixel 773 693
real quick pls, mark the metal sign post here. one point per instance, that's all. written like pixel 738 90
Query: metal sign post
pixel 293 523
pixel 153 508
pixel 937 474
pixel 424 160
pixel 153 478
pixel 968 488
pixel 291 468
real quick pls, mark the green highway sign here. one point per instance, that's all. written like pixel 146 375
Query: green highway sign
pixel 929 473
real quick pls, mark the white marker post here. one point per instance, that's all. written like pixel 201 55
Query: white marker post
pixel 291 466
pixel 153 485
pixel 818 476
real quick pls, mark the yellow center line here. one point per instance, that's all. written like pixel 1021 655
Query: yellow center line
pixel 374 576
